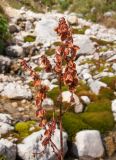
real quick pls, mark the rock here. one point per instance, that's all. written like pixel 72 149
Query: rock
pixel 13 28
pixel 6 118
pixel 96 85
pixel 5 128
pixel 32 144
pixel 47 102
pixel 85 99
pixel 113 58
pixel 5 64
pixel 114 67
pixel 14 90
pixel 89 143
pixel 14 51
pixel 44 30
pixel 85 44
pixel 21 109
pixel 7 149
pixel 109 14
pixel 113 106
pixel 14 104
pixel 66 97
pixel 72 19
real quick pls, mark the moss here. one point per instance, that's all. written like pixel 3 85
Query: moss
pixel 101 41
pixel 72 124
pixel 22 128
pixel 50 52
pixel 80 30
pixel 102 121
pixel 2 157
pixel 106 93
pixel 29 38
pixel 99 106
pixel 57 43
pixel 38 69
pixel 110 81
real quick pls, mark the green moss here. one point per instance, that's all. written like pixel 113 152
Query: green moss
pixel 101 41
pixel 57 43
pixel 80 30
pixel 2 157
pixel 72 124
pixel 22 128
pixel 110 81
pixel 99 106
pixel 38 69
pixel 102 121
pixel 106 93
pixel 50 52
pixel 29 38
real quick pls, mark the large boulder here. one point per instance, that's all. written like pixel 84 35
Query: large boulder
pixel 85 44
pixel 66 97
pixel 7 149
pixel 14 51
pixel 14 90
pixel 89 143
pixel 32 144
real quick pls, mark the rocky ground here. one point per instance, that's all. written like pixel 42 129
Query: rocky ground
pixel 95 99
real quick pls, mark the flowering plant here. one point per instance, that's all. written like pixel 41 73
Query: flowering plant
pixel 66 54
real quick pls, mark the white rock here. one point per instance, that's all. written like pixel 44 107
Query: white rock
pixel 89 143
pixel 45 32
pixel 5 64
pixel 14 51
pixel 113 106
pixel 66 97
pixel 47 102
pixel 32 144
pixel 7 149
pixel 96 85
pixel 85 44
pixel 5 128
pixel 114 66
pixel 85 99
pixel 5 118
pixel 14 90
pixel 113 58
pixel 72 19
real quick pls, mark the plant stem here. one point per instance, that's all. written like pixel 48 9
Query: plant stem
pixel 60 118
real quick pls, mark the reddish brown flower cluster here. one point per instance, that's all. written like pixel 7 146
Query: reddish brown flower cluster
pixel 67 53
